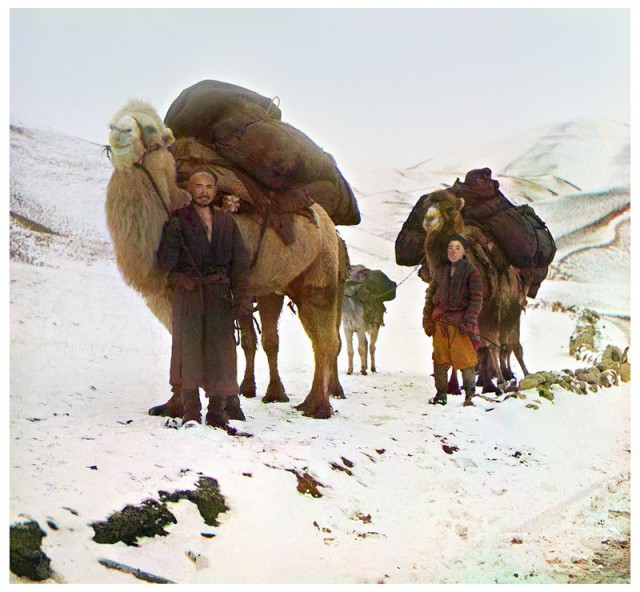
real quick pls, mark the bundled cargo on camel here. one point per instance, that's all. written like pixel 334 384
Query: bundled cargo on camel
pixel 523 237
pixel 273 168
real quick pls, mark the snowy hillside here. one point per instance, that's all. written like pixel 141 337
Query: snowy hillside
pixel 576 176
pixel 518 489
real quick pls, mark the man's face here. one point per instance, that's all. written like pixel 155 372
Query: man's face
pixel 455 251
pixel 202 188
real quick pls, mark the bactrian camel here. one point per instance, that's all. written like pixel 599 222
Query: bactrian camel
pixel 311 271
pixel 504 288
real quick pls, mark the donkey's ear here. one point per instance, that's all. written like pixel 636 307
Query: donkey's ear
pixel 460 203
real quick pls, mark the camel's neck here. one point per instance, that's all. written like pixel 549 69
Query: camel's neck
pixel 435 245
pixel 440 237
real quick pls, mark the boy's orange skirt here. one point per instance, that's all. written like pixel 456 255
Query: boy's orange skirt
pixel 452 347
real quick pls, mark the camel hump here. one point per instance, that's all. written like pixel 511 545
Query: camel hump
pixel 201 108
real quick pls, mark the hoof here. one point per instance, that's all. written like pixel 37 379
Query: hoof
pixel 336 391
pixel 374 371
pixel 507 375
pixel 349 372
pixel 233 409
pixel 320 410
pixel 490 387
pixel 363 372
pixel 248 389
pixel 468 402
pixel 275 393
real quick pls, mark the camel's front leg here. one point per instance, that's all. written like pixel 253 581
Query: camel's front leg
pixel 270 308
pixel 505 362
pixel 335 388
pixel 318 313
pixel 518 353
pixel 488 365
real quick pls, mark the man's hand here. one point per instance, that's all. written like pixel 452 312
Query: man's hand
pixel 173 233
pixel 429 326
pixel 466 328
pixel 174 224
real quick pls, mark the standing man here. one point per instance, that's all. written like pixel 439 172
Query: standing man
pixel 202 249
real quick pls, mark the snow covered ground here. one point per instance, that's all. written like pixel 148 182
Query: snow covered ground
pixel 509 491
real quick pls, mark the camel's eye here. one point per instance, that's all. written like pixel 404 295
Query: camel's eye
pixel 150 129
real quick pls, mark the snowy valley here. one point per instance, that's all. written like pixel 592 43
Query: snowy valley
pixel 518 489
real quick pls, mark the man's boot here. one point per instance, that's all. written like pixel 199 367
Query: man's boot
pixel 440 379
pixel 217 417
pixel 173 407
pixel 192 406
pixel 233 409
pixel 469 384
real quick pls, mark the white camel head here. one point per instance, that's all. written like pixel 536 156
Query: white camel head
pixel 135 130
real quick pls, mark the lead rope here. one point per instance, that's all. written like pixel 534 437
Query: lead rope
pixel 379 296
pixel 502 349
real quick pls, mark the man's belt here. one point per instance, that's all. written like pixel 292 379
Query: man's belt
pixel 190 282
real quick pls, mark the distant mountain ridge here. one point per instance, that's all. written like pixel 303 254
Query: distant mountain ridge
pixel 583 155
pixel 576 175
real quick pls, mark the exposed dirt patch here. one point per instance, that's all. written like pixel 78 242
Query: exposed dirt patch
pixel 611 564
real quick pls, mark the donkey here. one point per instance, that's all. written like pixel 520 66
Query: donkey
pixel 363 312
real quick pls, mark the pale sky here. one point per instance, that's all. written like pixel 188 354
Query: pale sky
pixel 388 87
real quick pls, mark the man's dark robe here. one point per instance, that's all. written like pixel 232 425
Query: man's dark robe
pixel 211 288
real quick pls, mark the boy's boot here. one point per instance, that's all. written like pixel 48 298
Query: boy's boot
pixel 440 379
pixel 469 384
